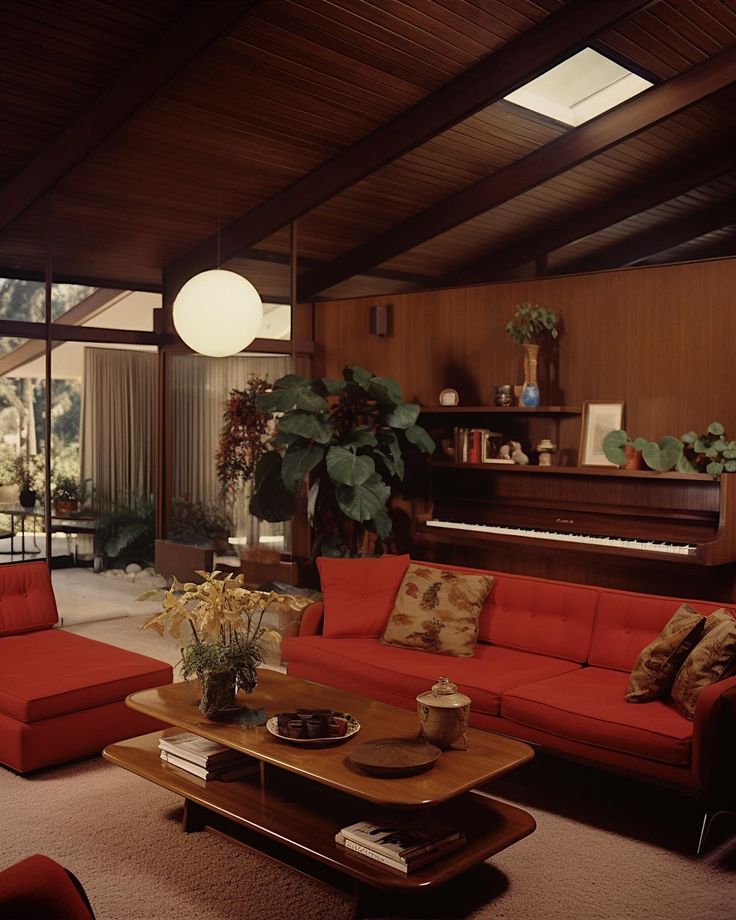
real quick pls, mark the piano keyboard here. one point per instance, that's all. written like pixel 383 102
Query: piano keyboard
pixel 683 549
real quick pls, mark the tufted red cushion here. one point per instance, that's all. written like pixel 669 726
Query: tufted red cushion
pixel 626 623
pixel 26 598
pixel 359 594
pixel 588 705
pixel 408 672
pixel 545 617
pixel 54 672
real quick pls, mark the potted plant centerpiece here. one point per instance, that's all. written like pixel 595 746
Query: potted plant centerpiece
pixel 352 438
pixel 530 327
pixel 226 633
pixel 66 495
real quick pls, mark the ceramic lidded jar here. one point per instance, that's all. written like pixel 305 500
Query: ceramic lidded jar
pixel 443 714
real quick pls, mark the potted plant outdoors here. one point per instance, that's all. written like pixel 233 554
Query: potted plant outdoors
pixel 27 475
pixel 227 633
pixel 351 437
pixel 530 327
pixel 66 495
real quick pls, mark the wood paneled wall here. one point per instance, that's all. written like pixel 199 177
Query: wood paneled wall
pixel 660 338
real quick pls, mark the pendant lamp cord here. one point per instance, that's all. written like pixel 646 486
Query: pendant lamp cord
pixel 219 224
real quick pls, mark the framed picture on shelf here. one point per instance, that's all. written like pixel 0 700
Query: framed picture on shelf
pixel 598 419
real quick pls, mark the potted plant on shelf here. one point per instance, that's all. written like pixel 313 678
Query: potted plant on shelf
pixel 530 326
pixel 352 438
pixel 227 633
pixel 710 453
pixel 66 495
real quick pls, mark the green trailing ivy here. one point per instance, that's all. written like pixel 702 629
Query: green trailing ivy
pixel 352 438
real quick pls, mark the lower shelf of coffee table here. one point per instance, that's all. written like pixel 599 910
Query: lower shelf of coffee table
pixel 305 815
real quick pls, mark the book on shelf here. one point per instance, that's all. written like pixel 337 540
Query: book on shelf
pixel 401 865
pixel 199 750
pixel 405 839
pixel 476 445
pixel 225 772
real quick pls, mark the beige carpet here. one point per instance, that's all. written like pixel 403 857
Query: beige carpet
pixel 604 849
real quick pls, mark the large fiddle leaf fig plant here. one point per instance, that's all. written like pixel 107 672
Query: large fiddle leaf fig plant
pixel 351 437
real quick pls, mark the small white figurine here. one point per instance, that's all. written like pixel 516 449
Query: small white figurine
pixel 517 454
pixel 504 452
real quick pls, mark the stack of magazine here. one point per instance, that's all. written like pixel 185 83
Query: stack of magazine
pixel 403 844
pixel 205 758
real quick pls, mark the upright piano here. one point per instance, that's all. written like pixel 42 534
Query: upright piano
pixel 638 530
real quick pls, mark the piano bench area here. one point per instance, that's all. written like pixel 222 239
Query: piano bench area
pixel 551 668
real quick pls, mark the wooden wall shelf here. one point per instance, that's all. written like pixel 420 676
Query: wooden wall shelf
pixel 502 410
pixel 612 472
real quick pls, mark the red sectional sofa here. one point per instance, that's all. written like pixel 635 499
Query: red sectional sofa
pixel 62 696
pixel 551 667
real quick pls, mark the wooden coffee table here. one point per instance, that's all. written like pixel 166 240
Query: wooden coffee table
pixel 305 794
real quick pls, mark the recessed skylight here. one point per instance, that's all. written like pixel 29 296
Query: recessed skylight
pixel 579 88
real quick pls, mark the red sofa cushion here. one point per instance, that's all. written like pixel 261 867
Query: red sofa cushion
pixel 626 623
pixel 546 617
pixel 53 672
pixel 588 705
pixel 408 672
pixel 39 887
pixel 359 594
pixel 26 600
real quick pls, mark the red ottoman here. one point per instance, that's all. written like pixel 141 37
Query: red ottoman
pixel 62 696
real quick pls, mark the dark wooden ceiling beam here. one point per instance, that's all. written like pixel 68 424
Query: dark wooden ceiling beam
pixel 522 59
pixel 196 30
pixel 630 118
pixel 705 167
pixel 720 250
pixel 657 239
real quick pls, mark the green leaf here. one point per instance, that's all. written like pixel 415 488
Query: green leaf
pixel 277 400
pixel 386 390
pixel 639 443
pixel 714 469
pixel 720 444
pixel 730 467
pixel 690 437
pixel 613 446
pixel 363 502
pixel 358 375
pixel 298 461
pixel 381 524
pixel 662 456
pixel 305 425
pixel 729 454
pixel 310 401
pixel 403 416
pixel 360 437
pixel 701 445
pixel 345 466
pixel 716 429
pixel 397 457
pixel 333 387
pixel 417 435
pixel 685 465
pixel 271 500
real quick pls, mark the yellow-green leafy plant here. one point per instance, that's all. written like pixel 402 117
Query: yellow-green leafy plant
pixel 227 635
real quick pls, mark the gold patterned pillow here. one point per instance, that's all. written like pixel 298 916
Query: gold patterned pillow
pixel 657 665
pixel 713 658
pixel 437 610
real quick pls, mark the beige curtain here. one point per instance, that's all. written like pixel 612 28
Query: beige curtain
pixel 199 388
pixel 118 417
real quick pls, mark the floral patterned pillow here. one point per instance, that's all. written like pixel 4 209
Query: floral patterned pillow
pixel 437 610
pixel 712 659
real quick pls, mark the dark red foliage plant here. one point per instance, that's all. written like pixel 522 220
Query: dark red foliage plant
pixel 246 430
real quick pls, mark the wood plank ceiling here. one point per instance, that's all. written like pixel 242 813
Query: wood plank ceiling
pixel 368 120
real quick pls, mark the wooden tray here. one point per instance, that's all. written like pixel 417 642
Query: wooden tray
pixel 394 756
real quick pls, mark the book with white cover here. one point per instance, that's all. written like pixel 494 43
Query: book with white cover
pixel 403 839
pixel 402 865
pixel 226 772
pixel 198 750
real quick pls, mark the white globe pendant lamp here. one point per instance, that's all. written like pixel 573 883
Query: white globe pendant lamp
pixel 218 313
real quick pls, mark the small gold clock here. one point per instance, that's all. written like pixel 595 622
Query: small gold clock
pixel 449 397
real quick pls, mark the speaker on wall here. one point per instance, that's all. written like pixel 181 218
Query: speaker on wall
pixel 378 322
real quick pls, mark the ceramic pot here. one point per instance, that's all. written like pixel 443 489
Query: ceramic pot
pixel 634 459
pixel 66 506
pixel 218 693
pixel 443 714
pixel 27 498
